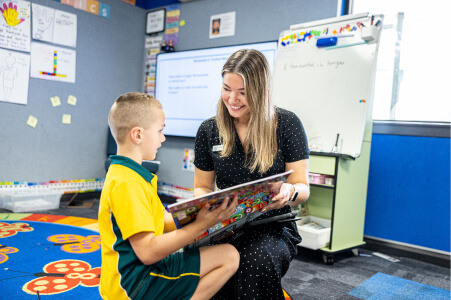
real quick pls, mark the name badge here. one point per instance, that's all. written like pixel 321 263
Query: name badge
pixel 217 148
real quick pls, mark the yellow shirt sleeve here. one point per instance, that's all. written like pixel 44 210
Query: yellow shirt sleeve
pixel 131 207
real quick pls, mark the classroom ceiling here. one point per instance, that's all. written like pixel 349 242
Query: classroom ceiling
pixel 151 4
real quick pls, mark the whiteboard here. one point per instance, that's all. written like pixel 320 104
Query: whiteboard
pixel 331 90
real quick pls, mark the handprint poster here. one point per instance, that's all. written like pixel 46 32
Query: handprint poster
pixel 14 75
pixel 43 19
pixel 15 25
pixel 54 26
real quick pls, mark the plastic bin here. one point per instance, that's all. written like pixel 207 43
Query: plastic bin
pixel 314 238
pixel 320 179
pixel 28 201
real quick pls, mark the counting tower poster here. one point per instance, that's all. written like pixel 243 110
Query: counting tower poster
pixel 52 63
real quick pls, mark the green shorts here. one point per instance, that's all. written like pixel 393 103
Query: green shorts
pixel 174 277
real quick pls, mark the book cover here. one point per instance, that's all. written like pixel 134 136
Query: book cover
pixel 252 197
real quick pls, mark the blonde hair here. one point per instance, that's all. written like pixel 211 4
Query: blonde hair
pixel 260 143
pixel 131 110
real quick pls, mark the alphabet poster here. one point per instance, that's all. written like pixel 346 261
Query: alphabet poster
pixel 15 25
pixel 54 26
pixel 14 74
pixel 52 63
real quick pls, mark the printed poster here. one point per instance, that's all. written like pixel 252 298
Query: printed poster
pixel 188 161
pixel 153 41
pixel 14 75
pixel 222 25
pixel 54 26
pixel 15 25
pixel 52 63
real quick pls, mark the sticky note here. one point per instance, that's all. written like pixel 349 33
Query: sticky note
pixel 66 119
pixel 172 30
pixel 182 23
pixel 32 121
pixel 55 101
pixel 173 13
pixel 72 100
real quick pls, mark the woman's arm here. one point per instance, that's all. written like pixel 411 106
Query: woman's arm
pixel 204 182
pixel 299 178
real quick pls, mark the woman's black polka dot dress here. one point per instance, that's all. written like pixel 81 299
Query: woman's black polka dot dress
pixel 266 250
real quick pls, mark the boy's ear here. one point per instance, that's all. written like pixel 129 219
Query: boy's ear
pixel 136 135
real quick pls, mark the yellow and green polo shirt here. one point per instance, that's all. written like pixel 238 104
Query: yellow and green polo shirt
pixel 129 204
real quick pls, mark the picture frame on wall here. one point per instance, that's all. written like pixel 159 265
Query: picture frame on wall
pixel 155 21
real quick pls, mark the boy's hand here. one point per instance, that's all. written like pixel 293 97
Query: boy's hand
pixel 208 218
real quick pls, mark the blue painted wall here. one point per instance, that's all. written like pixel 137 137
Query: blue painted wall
pixel 409 190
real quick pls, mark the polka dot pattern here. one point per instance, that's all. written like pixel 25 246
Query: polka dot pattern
pixel 266 250
pixel 265 255
pixel 291 141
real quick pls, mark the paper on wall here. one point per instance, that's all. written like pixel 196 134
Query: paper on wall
pixel 54 26
pixel 14 76
pixel 222 25
pixel 52 63
pixel 15 25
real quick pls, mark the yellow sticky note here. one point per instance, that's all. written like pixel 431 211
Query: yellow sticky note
pixel 154 51
pixel 182 23
pixel 66 119
pixel 172 30
pixel 32 121
pixel 173 13
pixel 72 100
pixel 55 101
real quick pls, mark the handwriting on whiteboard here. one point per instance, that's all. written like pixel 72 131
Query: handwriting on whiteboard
pixel 330 63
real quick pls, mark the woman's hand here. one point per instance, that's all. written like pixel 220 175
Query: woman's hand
pixel 207 218
pixel 282 198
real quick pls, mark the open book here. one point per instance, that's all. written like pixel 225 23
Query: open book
pixel 252 197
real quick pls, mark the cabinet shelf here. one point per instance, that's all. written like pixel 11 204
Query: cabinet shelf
pixel 327 186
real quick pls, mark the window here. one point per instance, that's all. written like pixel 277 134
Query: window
pixel 413 77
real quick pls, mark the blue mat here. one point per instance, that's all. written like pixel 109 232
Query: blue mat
pixel 383 286
pixel 58 261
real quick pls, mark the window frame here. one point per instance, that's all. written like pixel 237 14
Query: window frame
pixel 398 127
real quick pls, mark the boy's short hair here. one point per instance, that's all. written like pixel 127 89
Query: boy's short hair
pixel 131 110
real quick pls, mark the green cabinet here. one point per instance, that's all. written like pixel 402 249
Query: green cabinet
pixel 343 203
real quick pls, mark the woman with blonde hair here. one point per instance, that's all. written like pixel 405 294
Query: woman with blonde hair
pixel 250 139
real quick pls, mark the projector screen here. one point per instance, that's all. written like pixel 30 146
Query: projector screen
pixel 188 84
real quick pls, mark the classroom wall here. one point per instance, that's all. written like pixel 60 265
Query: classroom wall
pixel 408 189
pixel 109 62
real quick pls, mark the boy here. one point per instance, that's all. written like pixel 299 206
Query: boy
pixel 136 257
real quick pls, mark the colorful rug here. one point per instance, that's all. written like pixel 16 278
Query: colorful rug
pixel 57 256
pixel 383 286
